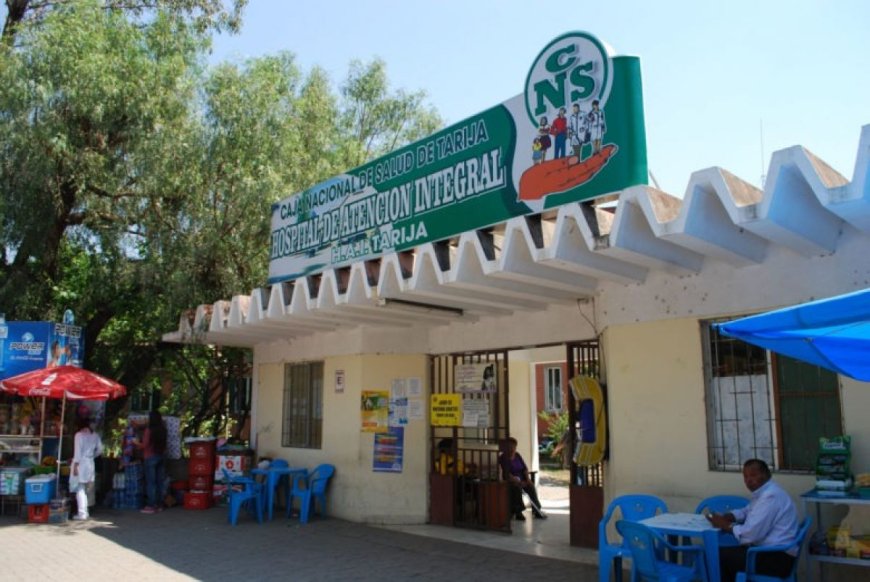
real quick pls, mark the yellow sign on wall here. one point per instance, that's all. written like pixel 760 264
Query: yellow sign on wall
pixel 446 409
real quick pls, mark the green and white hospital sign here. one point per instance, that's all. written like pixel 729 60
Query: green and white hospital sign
pixel 575 134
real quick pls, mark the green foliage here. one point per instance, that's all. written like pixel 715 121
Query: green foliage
pixel 556 430
pixel 136 183
pixel 377 121
pixel 558 423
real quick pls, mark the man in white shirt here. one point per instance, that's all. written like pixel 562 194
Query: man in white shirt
pixel 769 519
pixel 578 131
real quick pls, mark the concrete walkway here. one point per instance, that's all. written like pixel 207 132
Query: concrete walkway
pixel 200 545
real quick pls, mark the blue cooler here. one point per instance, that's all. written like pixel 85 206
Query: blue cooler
pixel 40 489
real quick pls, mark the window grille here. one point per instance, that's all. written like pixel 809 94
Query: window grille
pixel 757 407
pixel 303 405
pixel 553 397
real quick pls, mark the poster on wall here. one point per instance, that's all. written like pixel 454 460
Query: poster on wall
pixel 398 415
pixel 575 133
pixel 475 378
pixel 415 387
pixel 399 388
pixel 374 407
pixel 446 409
pixel 389 450
pixel 416 410
pixel 475 412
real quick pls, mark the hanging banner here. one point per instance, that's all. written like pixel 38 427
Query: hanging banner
pixel 576 133
pixel 32 345
pixel 375 406
pixel 446 409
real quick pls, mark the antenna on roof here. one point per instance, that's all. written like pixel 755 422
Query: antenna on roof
pixel 761 137
pixel 653 178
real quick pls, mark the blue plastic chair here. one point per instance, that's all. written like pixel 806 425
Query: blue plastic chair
pixel 750 575
pixel 243 491
pixel 648 549
pixel 632 508
pixel 309 490
pixel 723 504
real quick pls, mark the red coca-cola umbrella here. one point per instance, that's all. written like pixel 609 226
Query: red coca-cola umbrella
pixel 67 382
pixel 63 382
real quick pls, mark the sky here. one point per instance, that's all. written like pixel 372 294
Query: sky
pixel 725 83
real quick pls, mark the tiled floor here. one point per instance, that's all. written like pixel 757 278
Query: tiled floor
pixel 545 538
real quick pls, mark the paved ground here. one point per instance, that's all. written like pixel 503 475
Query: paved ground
pixel 184 545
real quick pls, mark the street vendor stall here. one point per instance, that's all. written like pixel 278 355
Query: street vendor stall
pixel 62 383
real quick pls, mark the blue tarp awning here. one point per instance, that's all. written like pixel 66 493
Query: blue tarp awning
pixel 833 333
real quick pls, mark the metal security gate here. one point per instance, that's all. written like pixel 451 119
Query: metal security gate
pixel 465 482
pixel 587 483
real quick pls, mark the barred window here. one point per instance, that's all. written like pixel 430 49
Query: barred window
pixel 553 389
pixel 766 406
pixel 303 405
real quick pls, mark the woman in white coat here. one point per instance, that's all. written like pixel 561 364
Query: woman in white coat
pixel 87 446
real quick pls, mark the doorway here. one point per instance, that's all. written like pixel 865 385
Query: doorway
pixel 467 490
pixel 465 486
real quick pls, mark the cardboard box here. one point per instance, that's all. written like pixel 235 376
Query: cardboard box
pixel 236 465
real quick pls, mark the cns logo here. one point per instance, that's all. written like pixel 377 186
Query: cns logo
pixel 573 69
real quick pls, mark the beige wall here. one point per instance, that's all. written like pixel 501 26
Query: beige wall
pixel 357 493
pixel 657 417
pixel 520 397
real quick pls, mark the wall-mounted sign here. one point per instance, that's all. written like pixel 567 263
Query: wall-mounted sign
pixel 339 381
pixel 446 409
pixel 576 133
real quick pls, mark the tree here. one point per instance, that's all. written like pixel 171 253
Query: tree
pixel 203 14
pixel 377 122
pixel 125 164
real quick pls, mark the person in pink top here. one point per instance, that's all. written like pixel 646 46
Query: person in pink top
pixel 153 447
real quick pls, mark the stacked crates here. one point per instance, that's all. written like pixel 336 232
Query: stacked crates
pixel 129 488
pixel 200 474
pixel 833 466
pixel 39 492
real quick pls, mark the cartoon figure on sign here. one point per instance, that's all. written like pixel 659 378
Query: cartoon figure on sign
pixel 559 131
pixel 578 131
pixel 574 70
pixel 544 136
pixel 536 151
pixel 597 126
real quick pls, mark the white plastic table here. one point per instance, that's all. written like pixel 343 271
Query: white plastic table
pixel 691 525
